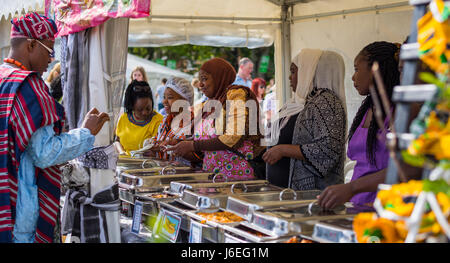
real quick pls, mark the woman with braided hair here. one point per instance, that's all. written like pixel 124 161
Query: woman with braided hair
pixel 139 121
pixel 365 145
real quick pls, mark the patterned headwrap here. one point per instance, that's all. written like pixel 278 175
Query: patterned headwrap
pixel 33 25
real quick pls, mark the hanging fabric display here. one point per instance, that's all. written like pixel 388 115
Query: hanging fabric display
pixel 75 16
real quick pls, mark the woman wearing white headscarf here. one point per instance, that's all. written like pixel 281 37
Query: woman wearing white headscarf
pixel 176 125
pixel 309 135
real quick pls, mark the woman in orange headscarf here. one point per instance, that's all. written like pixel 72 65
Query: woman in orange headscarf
pixel 229 152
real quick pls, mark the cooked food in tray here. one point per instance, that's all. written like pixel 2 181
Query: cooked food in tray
pixel 161 195
pixel 251 231
pixel 221 217
pixel 298 240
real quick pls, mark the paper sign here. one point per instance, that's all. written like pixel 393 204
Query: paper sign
pixel 137 217
pixel 170 226
pixel 195 232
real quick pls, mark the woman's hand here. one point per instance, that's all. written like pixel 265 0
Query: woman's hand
pixel 119 148
pixel 182 148
pixel 94 120
pixel 273 155
pixel 335 195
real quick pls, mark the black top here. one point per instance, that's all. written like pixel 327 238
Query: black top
pixel 278 174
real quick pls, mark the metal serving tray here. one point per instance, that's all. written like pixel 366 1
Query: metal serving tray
pixel 211 231
pixel 150 203
pixel 155 181
pixel 128 162
pixel 241 233
pixel 180 186
pixel 245 204
pixel 126 196
pixel 294 219
pixel 217 195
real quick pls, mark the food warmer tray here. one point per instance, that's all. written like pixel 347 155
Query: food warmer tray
pixel 180 186
pixel 156 181
pixel 126 196
pixel 339 230
pixel 240 233
pixel 245 204
pixel 211 231
pixel 151 201
pixel 217 195
pixel 126 163
pixel 294 219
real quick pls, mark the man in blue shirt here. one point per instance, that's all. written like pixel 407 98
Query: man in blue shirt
pixel 160 93
pixel 244 75
pixel 32 141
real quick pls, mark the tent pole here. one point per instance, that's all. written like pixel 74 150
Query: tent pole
pixel 286 53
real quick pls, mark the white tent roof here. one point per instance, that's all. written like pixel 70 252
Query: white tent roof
pixel 344 26
pixel 8 7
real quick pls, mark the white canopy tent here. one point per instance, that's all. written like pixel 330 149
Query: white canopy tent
pixel 344 26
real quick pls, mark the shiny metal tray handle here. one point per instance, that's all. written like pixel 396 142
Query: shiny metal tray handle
pixel 311 205
pixel 153 163
pixel 234 185
pixel 285 190
pixel 136 181
pixel 168 170
pixel 221 174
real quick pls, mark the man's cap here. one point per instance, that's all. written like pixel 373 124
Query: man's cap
pixel 33 25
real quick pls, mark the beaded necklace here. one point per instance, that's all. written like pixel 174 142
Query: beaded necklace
pixel 15 62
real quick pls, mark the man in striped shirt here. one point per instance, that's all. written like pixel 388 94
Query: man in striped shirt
pixel 32 143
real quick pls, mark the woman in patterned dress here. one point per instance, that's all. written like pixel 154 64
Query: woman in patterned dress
pixel 227 137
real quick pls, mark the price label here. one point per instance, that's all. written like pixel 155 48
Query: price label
pixel 137 217
pixel 237 208
pixel 229 239
pixel 332 234
pixel 195 232
pixel 170 226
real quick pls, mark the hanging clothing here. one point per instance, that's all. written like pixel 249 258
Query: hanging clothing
pixel 75 72
pixel 132 133
pixel 27 106
pixel 357 151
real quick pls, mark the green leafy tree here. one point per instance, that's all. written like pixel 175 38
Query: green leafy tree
pixel 190 57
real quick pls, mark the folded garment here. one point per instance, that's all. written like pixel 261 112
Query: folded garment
pixel 104 157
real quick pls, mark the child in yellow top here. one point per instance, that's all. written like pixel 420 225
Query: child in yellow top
pixel 140 121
